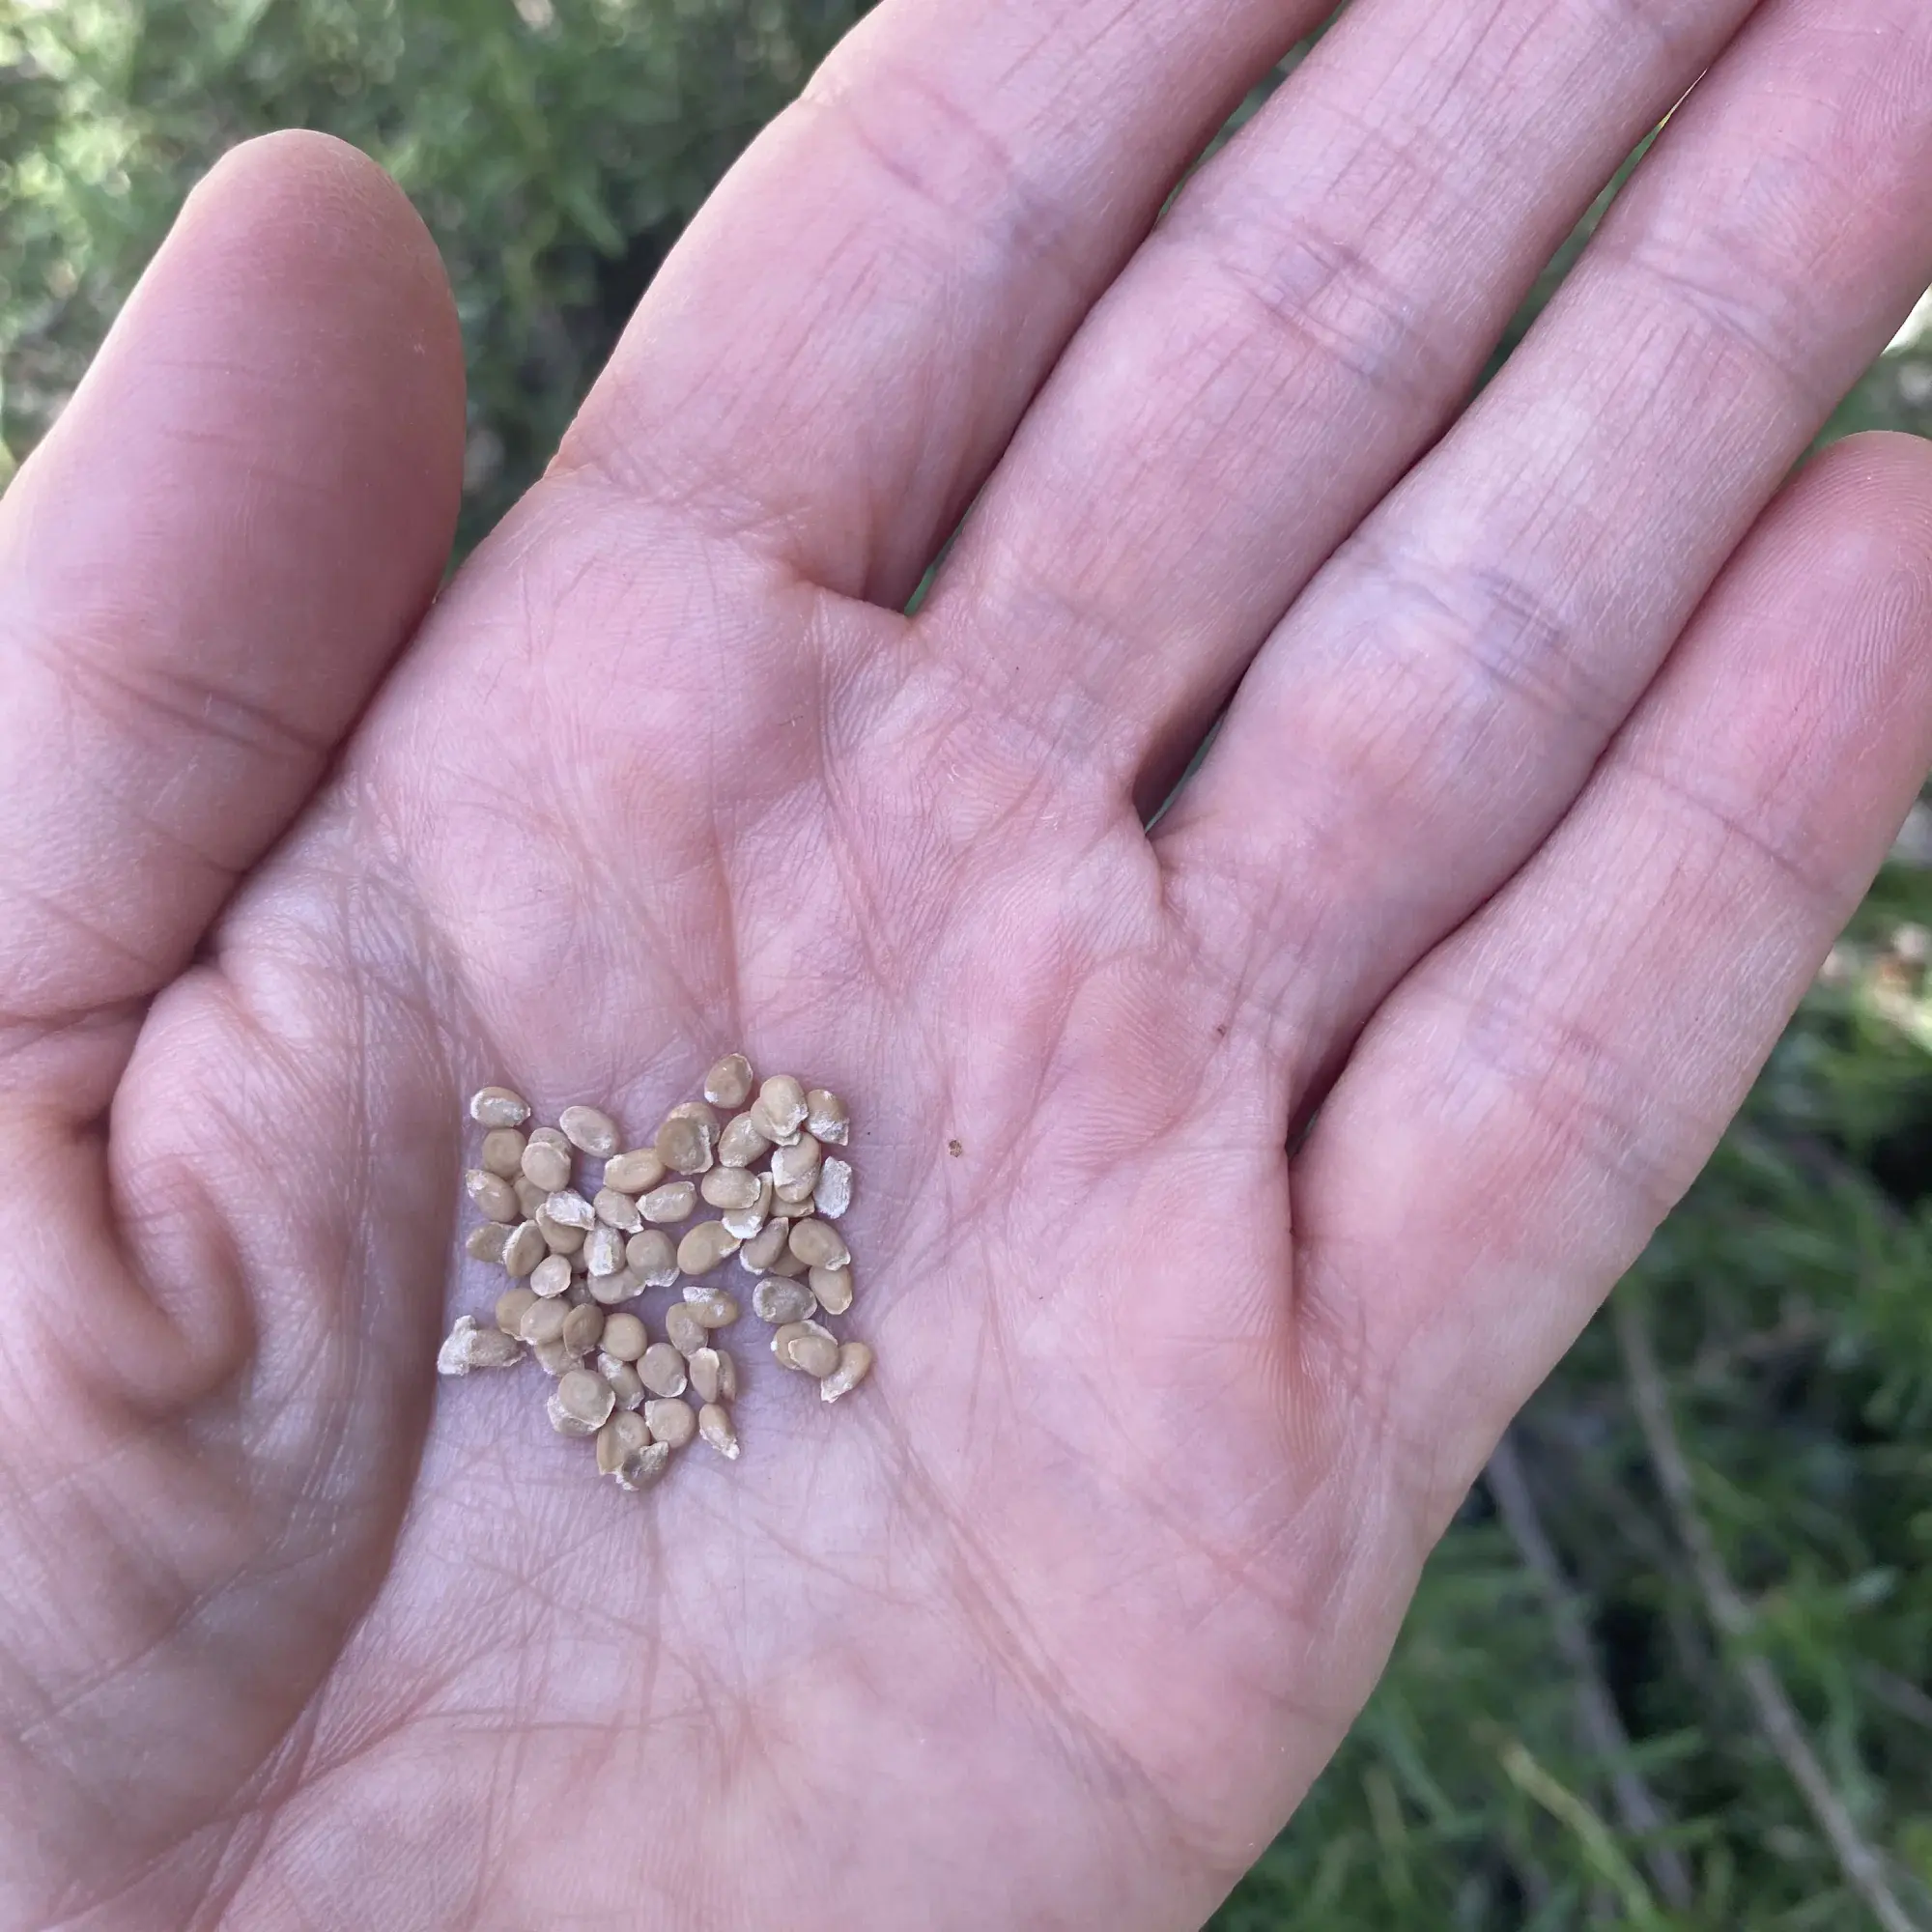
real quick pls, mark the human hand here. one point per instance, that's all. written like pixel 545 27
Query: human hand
pixel 1556 762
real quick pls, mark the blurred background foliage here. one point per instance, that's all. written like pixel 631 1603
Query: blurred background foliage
pixel 1672 1667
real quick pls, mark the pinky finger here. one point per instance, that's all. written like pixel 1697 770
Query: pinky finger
pixel 1539 1092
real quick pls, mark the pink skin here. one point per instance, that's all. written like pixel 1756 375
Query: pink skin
pixel 1563 744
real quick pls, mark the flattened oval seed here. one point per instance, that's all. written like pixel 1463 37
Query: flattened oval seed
pixel 499 1107
pixel 647 1467
pixel 684 1331
pixel 608 1290
pixel 705 1246
pixel 616 1210
pixel 684 1145
pixel 700 1111
pixel 819 1244
pixel 581 1403
pixel 543 1321
pixel 833 1194
pixel 833 1287
pixel 569 1209
pixel 764 1247
pixel 817 1355
pixel 583 1328
pixel 510 1307
pixel 714 1424
pixel 710 1307
pixel 492 1194
pixel 661 1369
pixel 603 1250
pixel 529 1196
pixel 741 1143
pixel 705 1374
pixel 778 1301
pixel 553 1358
pixel 504 1151
pixel 731 1187
pixel 548 1166
pixel 485 1242
pixel 524 1249
pixel 826 1117
pixel 551 1275
pixel 652 1255
pixel 782 1341
pixel 727 1082
pixel 559 1240
pixel 549 1137
pixel 795 1168
pixel 622 1435
pixel 670 1422
pixel 622 1376
pixel 624 1337
pixel 781 1102
pixel 589 1129
pixel 676 1200
pixel 634 1173
pixel 855 1364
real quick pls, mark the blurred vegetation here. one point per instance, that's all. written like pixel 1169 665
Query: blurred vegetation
pixel 1673 1667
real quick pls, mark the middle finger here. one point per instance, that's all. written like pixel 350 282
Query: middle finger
pixel 1303 324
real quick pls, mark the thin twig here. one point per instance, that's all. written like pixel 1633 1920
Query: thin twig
pixel 1638 1808
pixel 1777 1718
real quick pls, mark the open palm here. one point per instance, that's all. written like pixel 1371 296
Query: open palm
pixel 1560 744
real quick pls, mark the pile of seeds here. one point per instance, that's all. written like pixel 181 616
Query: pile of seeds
pixel 577 1256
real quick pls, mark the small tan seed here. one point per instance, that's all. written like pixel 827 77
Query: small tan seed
pixel 782 1341
pixel 833 1287
pixel 745 1222
pixel 558 1238
pixel 676 1200
pixel 467 1347
pixel 741 1143
pixel 684 1145
pixel 727 1082
pixel 833 1194
pixel 524 1249
pixel 778 1301
pixel 547 1165
pixel 510 1307
pixel 551 1137
pixel 825 1116
pixel 762 1249
pixel 603 1250
pixel 589 1129
pixel 491 1194
pixel 484 1242
pixel 705 1246
pixel 634 1173
pixel 503 1152
pixel 624 1337
pixel 551 1275
pixel 553 1358
pixel 783 1099
pixel 621 1437
pixel 855 1364
pixel 661 1370
pixel 711 1307
pixel 616 1210
pixel 647 1467
pixel 684 1331
pixel 795 1168
pixel 568 1209
pixel 623 1379
pixel 583 1328
pixel 819 1244
pixel 700 1111
pixel 815 1350
pixel 670 1422
pixel 706 1374
pixel 608 1290
pixel 581 1403
pixel 529 1196
pixel 499 1107
pixel 543 1321
pixel 653 1256
pixel 714 1424
pixel 730 1188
